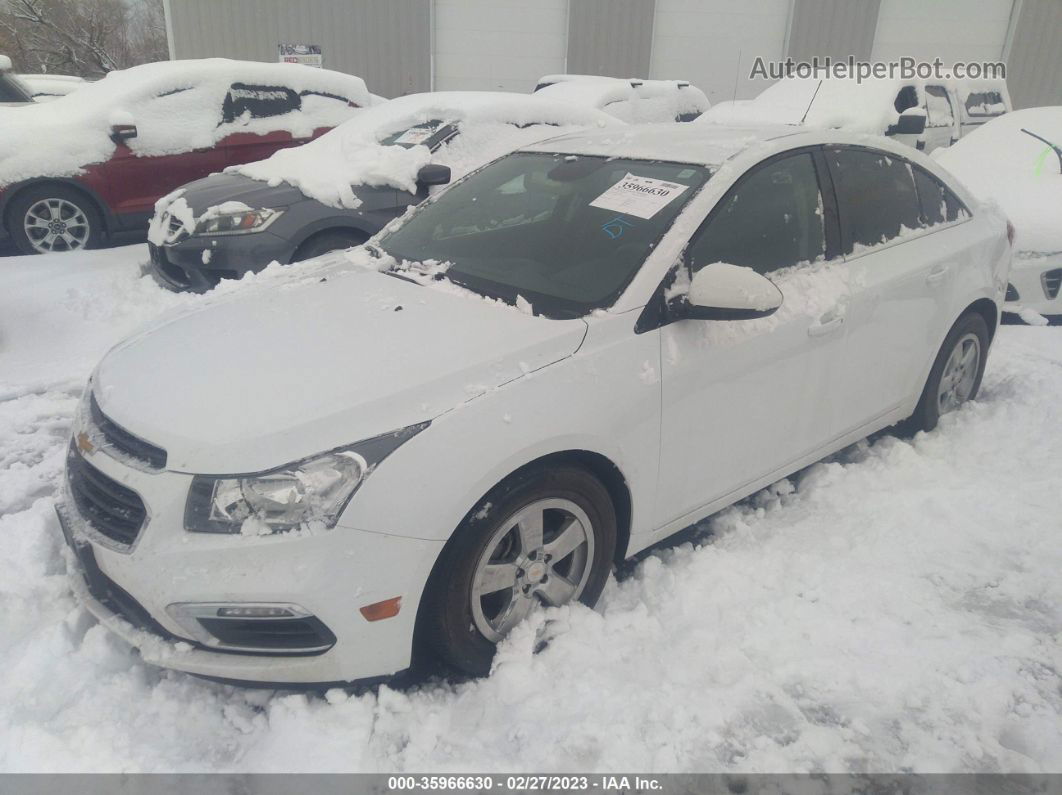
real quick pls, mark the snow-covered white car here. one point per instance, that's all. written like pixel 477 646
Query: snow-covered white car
pixel 341 189
pixel 1016 161
pixel 82 167
pixel 558 361
pixel 46 87
pixel 925 114
pixel 631 100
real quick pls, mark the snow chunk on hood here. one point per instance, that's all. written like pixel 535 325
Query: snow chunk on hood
pixel 491 124
pixel 177 106
pixel 1000 163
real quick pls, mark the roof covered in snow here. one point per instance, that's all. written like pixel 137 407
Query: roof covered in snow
pixel 632 100
pixel 176 106
pixel 1022 174
pixel 490 124
pixel 677 142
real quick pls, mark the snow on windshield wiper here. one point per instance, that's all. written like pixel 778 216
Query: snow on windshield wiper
pixel 1055 147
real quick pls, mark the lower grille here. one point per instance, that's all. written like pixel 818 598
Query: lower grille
pixel 1012 293
pixel 1051 280
pixel 109 507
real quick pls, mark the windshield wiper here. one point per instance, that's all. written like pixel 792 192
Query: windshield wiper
pixel 1055 147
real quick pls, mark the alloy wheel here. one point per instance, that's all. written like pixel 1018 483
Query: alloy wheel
pixel 56 225
pixel 541 555
pixel 960 374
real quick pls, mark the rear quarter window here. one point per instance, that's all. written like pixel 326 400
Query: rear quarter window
pixel 939 204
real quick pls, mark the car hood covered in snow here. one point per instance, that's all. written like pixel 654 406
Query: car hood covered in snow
pixel 999 162
pixel 275 375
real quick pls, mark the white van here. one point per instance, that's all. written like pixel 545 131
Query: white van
pixel 925 114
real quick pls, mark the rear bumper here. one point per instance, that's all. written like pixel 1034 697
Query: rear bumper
pixel 197 264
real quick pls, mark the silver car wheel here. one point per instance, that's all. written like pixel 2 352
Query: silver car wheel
pixel 542 554
pixel 960 374
pixel 56 225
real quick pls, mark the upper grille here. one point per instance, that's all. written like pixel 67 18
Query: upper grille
pixel 1051 280
pixel 109 507
pixel 125 442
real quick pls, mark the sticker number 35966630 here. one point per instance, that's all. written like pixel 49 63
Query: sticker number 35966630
pixel 640 196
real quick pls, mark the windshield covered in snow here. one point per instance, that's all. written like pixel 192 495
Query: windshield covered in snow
pixel 565 233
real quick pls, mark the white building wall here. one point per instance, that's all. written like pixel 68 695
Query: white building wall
pixel 713 43
pixel 501 45
pixel 953 30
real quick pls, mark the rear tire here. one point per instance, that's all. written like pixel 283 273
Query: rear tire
pixel 325 242
pixel 955 376
pixel 467 609
pixel 53 218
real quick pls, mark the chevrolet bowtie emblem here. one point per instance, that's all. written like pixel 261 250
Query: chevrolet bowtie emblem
pixel 84 444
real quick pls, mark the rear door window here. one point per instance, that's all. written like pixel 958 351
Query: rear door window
pixel 985 103
pixel 771 219
pixel 245 102
pixel 939 205
pixel 876 196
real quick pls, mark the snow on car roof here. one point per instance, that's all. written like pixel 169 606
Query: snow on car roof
pixel 492 123
pixel 1022 174
pixel 631 100
pixel 702 144
pixel 176 106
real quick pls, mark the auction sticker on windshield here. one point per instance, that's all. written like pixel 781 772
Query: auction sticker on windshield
pixel 640 196
pixel 415 135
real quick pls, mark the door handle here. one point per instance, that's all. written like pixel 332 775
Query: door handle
pixel 820 329
pixel 937 274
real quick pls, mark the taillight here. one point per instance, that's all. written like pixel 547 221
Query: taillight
pixel 1010 233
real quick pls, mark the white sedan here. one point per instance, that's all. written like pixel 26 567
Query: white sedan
pixel 1016 161
pixel 562 359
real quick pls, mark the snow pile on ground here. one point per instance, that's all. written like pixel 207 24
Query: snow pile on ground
pixel 898 607
pixel 177 106
pixel 1018 171
pixel 491 123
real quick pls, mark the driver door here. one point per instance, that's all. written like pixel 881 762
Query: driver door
pixel 746 399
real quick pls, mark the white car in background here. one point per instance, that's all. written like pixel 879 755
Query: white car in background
pixel 558 361
pixel 1016 161
pixel 924 114
pixel 631 100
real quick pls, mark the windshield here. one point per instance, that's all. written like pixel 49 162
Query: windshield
pixel 566 233
pixel 13 90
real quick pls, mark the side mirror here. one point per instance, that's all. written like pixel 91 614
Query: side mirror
pixel 729 292
pixel 122 132
pixel 433 174
pixel 911 122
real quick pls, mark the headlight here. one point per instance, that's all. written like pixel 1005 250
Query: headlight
pixel 237 223
pixel 308 493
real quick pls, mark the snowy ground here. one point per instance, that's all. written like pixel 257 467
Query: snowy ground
pixel 897 608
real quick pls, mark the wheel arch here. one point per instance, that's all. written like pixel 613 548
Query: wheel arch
pixel 987 309
pixel 11 194
pixel 325 227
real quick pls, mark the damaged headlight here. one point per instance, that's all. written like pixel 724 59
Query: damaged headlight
pixel 311 492
pixel 239 222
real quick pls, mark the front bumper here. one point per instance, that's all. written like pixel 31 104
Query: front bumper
pixel 181 266
pixel 1037 280
pixel 331 575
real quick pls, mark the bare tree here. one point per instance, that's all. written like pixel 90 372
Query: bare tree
pixel 82 37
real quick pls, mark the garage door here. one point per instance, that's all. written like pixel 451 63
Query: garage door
pixel 498 44
pixel 953 30
pixel 713 43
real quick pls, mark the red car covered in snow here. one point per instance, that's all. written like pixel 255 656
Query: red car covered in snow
pixel 76 170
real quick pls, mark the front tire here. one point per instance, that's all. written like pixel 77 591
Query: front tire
pixel 47 219
pixel 546 537
pixel 955 376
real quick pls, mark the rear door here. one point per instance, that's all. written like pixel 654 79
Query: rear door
pixel 900 274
